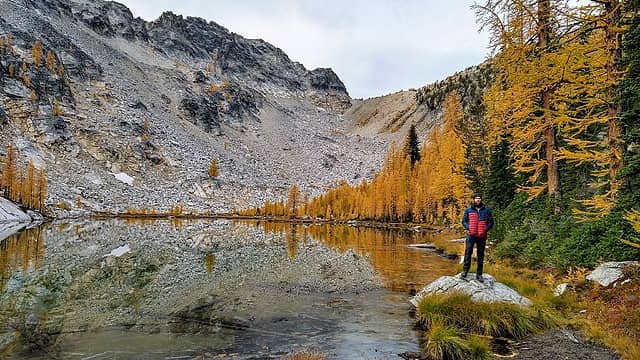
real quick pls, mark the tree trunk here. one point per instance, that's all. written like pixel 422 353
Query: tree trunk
pixel 613 15
pixel 553 176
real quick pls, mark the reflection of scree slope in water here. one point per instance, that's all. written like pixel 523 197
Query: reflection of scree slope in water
pixel 251 290
pixel 401 268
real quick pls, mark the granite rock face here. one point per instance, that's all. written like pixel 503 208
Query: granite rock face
pixel 489 291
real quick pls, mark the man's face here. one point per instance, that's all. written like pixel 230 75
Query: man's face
pixel 477 201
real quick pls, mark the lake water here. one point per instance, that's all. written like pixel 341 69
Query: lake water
pixel 211 289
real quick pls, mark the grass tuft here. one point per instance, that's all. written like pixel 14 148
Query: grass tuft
pixel 444 342
pixel 489 319
pixel 479 348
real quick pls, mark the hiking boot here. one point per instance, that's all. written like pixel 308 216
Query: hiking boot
pixel 479 278
pixel 463 275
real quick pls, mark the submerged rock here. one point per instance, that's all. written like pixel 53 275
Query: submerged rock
pixel 610 272
pixel 489 291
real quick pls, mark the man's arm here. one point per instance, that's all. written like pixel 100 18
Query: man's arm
pixel 465 220
pixel 489 220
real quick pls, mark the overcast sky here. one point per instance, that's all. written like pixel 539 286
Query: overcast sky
pixel 375 46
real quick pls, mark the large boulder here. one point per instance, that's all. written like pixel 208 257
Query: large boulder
pixel 10 213
pixel 610 272
pixel 489 291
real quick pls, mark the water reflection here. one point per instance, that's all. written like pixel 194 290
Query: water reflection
pixel 211 286
pixel 20 252
pixel 402 268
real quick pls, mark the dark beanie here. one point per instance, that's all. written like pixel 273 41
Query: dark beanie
pixel 475 195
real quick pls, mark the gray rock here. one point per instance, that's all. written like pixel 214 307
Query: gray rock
pixel 560 289
pixel 15 89
pixel 10 213
pixel 610 272
pixel 489 291
pixel 4 118
pixel 53 129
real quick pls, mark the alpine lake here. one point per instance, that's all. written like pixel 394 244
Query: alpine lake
pixel 176 289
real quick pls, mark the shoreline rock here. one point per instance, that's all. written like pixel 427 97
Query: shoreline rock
pixel 11 213
pixel 489 291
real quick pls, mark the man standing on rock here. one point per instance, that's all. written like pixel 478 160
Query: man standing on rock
pixel 477 220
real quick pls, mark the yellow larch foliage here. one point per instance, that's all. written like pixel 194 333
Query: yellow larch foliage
pixel 432 191
pixel 213 169
pixel 519 104
pixel 42 190
pixel 60 70
pixel 56 109
pixel 9 172
pixel 36 52
pixel 633 217
pixel 50 62
pixel 293 201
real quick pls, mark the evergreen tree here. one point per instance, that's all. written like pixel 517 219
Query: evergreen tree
pixel 501 184
pixel 474 136
pixel 411 146
pixel 50 62
pixel 629 175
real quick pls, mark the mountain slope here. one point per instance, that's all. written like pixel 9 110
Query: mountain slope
pixel 157 101
pixel 391 115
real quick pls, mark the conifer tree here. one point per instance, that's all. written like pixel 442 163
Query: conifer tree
pixel 50 62
pixel 501 183
pixel 411 146
pixel 9 173
pixel 293 201
pixel 213 169
pixel 520 100
pixel 629 175
pixel 36 52
pixel 28 186
pixel 56 109
pixel 42 189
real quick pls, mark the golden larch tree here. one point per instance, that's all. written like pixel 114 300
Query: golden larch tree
pixel 9 172
pixel 293 201
pixel 50 62
pixel 519 103
pixel 213 169
pixel 36 52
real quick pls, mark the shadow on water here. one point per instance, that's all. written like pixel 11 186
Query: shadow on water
pixel 210 288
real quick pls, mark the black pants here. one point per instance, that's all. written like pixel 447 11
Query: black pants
pixel 468 251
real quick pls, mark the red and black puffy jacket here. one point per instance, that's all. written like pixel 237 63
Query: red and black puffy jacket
pixel 477 221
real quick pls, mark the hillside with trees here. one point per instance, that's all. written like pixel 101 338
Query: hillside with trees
pixel 551 142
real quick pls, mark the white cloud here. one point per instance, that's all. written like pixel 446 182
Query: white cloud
pixel 375 46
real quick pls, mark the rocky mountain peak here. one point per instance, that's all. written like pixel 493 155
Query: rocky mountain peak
pixel 327 80
pixel 88 88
